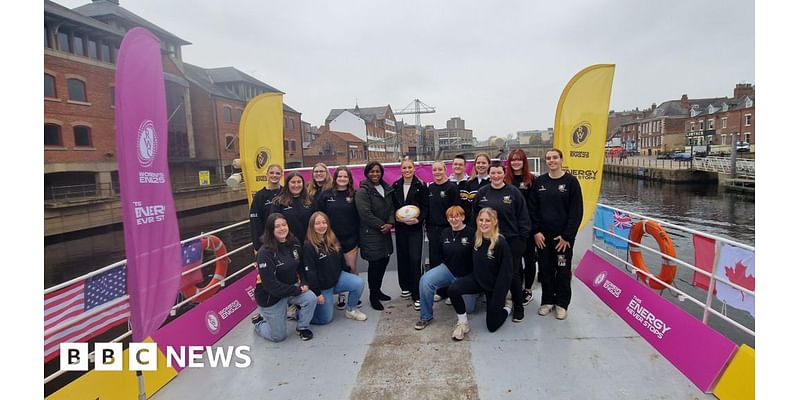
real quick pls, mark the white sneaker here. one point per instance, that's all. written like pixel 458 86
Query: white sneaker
pixel 460 330
pixel 436 298
pixel 405 294
pixel 448 302
pixel 561 313
pixel 355 314
pixel 417 306
pixel 545 309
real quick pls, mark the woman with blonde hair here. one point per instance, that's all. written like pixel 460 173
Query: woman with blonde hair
pixel 325 271
pixel 491 274
pixel 262 201
pixel 321 181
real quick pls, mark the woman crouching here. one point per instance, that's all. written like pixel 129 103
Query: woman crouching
pixel 277 285
pixel 327 273
pixel 491 274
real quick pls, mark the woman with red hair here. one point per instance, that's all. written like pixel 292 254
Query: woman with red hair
pixel 518 173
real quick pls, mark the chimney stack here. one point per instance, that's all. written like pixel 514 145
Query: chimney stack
pixel 685 102
pixel 744 89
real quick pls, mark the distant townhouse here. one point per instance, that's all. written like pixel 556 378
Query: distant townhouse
pixel 718 127
pixel 375 125
pixel 336 148
pixel 663 127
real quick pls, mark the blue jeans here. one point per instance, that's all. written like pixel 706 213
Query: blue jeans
pixel 273 327
pixel 348 282
pixel 435 278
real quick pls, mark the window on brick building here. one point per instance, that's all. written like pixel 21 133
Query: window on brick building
pixel 83 136
pixel 91 49
pixel 710 124
pixel 229 141
pixel 52 135
pixel 63 42
pixel 691 127
pixel 77 45
pixel 76 89
pixel 226 114
pixel 293 145
pixel 285 145
pixel 748 119
pixel 724 122
pixel 105 53
pixel 747 137
pixel 238 115
pixel 113 96
pixel 49 86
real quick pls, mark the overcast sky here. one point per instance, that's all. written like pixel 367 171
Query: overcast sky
pixel 501 66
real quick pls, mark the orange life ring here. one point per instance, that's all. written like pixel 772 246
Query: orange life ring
pixel 668 267
pixel 210 242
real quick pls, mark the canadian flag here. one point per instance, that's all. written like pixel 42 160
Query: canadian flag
pixel 738 266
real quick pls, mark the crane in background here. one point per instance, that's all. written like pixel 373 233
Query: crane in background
pixel 416 107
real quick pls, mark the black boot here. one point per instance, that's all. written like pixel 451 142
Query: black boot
pixel 383 296
pixel 375 302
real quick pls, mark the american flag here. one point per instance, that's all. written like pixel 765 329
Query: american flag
pixel 80 298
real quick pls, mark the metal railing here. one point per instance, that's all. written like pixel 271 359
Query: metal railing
pixel 704 303
pixel 744 168
pixel 80 192
pixel 76 319
pixel 649 162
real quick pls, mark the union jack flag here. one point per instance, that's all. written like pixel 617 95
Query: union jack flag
pixel 622 220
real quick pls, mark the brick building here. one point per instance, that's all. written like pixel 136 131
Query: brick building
pixel 204 106
pixel 377 126
pixel 336 148
pixel 663 127
pixel 716 128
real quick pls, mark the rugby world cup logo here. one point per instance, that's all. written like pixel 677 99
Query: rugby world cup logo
pixel 147 143
pixel 600 278
pixel 580 134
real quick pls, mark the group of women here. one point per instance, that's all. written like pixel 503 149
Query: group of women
pixel 485 231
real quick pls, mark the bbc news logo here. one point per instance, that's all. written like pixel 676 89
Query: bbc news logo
pixel 144 356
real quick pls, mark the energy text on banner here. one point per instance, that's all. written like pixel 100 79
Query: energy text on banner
pixel 152 241
pixel 580 129
pixel 260 140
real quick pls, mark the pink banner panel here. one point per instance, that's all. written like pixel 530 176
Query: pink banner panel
pixel 697 350
pixel 210 320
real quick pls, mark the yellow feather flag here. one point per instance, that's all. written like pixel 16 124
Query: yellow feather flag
pixel 580 129
pixel 260 140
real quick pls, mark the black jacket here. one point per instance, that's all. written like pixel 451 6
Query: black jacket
pixel 297 215
pixel 277 273
pixel 492 270
pixel 441 197
pixel 417 195
pixel 511 207
pixel 321 268
pixel 374 210
pixel 457 250
pixel 259 210
pixel 558 206
pixel 341 210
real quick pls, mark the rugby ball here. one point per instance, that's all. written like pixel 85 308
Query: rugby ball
pixel 406 213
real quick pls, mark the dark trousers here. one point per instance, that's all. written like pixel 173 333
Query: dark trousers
pixel 409 257
pixel 517 244
pixel 556 280
pixel 496 315
pixel 375 272
pixel 529 256
pixel 434 245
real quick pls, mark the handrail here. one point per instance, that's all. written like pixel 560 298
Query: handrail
pixel 122 262
pixel 707 305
